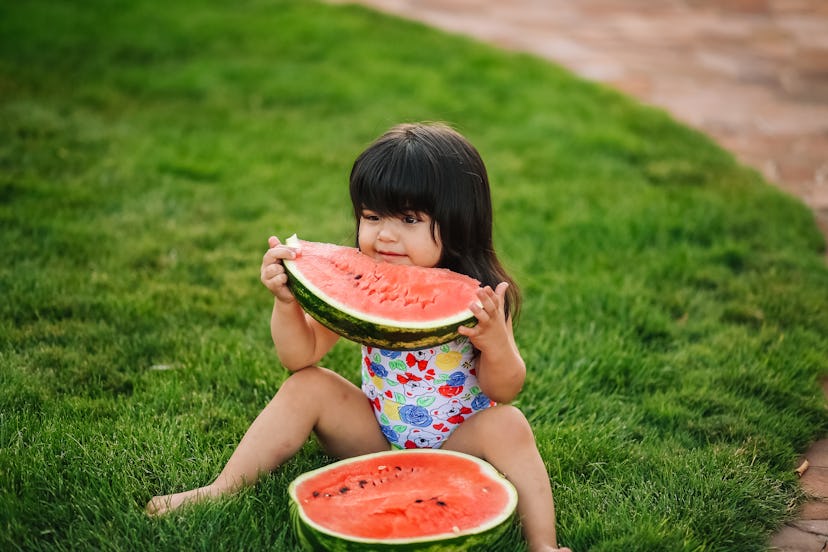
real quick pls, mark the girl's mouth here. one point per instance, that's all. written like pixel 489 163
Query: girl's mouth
pixel 390 256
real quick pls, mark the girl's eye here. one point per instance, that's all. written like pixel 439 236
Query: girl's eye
pixel 370 217
pixel 410 219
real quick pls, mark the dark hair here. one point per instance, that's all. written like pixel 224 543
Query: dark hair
pixel 430 168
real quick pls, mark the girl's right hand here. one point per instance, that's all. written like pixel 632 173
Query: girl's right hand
pixel 273 273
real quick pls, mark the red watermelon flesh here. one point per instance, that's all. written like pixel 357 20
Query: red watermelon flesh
pixel 379 304
pixel 405 495
pixel 394 292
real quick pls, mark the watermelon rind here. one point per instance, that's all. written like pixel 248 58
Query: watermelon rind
pixel 365 328
pixel 487 536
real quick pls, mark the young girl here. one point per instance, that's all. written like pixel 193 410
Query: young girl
pixel 421 197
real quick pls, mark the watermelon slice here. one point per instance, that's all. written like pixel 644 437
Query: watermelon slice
pixel 379 304
pixel 424 499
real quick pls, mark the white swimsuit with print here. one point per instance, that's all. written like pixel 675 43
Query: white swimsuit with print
pixel 420 396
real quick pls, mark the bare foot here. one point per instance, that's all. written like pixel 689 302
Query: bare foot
pixel 160 505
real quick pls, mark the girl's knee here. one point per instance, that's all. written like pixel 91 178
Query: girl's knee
pixel 512 424
pixel 500 426
pixel 307 380
pixel 314 383
pixel 310 372
pixel 315 374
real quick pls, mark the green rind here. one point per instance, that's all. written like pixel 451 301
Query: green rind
pixel 366 332
pixel 312 539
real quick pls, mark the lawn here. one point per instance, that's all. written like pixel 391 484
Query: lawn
pixel 675 323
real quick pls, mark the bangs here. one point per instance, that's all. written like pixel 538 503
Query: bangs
pixel 393 179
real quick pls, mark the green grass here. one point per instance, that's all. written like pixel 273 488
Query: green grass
pixel 676 316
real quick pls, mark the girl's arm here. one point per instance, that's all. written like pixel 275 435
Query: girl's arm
pixel 501 370
pixel 299 339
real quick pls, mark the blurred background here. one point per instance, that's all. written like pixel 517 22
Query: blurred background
pixel 752 74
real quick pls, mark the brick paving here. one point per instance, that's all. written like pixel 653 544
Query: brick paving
pixel 752 74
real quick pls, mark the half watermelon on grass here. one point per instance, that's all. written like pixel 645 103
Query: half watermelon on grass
pixel 424 499
pixel 379 304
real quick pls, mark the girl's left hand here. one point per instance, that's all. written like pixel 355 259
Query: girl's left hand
pixel 492 327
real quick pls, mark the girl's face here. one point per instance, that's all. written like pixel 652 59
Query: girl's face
pixel 399 239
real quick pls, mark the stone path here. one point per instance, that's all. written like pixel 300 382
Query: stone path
pixel 809 533
pixel 752 74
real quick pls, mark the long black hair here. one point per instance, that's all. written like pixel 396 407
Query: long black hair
pixel 431 168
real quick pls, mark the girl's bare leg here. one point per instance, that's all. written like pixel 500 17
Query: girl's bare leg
pixel 312 399
pixel 501 435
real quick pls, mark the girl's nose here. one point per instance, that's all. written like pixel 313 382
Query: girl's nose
pixel 386 233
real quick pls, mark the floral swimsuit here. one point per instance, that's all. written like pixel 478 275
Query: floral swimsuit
pixel 420 396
